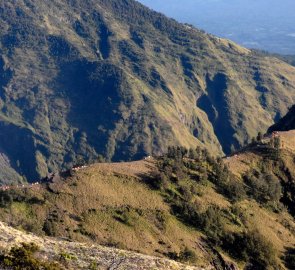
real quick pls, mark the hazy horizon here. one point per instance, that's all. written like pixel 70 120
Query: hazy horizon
pixel 260 24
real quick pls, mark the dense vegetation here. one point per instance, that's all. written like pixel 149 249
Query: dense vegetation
pixel 181 164
pixel 79 79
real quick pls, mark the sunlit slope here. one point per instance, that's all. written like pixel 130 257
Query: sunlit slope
pixel 113 78
pixel 84 256
pixel 116 205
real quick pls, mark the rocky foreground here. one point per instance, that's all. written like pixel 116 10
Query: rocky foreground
pixel 82 256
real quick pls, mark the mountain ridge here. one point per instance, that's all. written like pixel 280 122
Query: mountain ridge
pixel 185 205
pixel 113 78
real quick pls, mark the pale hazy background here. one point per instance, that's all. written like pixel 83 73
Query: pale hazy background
pixel 262 24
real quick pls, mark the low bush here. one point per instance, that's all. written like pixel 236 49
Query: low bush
pixel 234 190
pixel 187 255
pixel 180 169
pixel 67 256
pixel 50 227
pixel 209 221
pixel 251 247
pixel 264 187
pixel 24 257
pixel 124 216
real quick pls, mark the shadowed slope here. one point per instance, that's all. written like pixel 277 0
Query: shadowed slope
pixel 81 79
pixel 286 123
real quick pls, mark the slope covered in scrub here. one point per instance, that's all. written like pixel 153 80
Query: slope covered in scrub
pixel 79 79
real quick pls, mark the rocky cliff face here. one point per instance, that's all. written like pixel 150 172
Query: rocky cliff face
pixel 79 79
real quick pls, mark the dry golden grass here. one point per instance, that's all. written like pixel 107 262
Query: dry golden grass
pixel 110 204
pixel 136 168
pixel 113 206
pixel 242 162
pixel 209 196
pixel 269 224
pixel 288 139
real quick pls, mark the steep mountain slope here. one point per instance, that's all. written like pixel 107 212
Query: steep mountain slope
pixel 286 123
pixel 257 157
pixel 7 174
pixel 84 78
pixel 109 204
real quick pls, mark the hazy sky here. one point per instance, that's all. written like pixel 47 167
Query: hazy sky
pixel 268 24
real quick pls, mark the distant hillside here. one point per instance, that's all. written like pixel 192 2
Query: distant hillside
pixel 286 123
pixel 80 79
pixel 240 20
pixel 290 59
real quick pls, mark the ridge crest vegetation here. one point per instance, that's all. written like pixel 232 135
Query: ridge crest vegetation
pixel 183 195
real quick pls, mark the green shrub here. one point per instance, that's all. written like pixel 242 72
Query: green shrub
pixel 187 255
pixel 67 256
pixel 93 266
pixel 209 221
pixel 180 166
pixel 253 248
pixel 161 220
pixel 160 181
pixel 5 199
pixel 212 224
pixel 186 192
pixel 234 190
pixel 24 257
pixel 264 188
pixel 124 216
pixel 50 228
